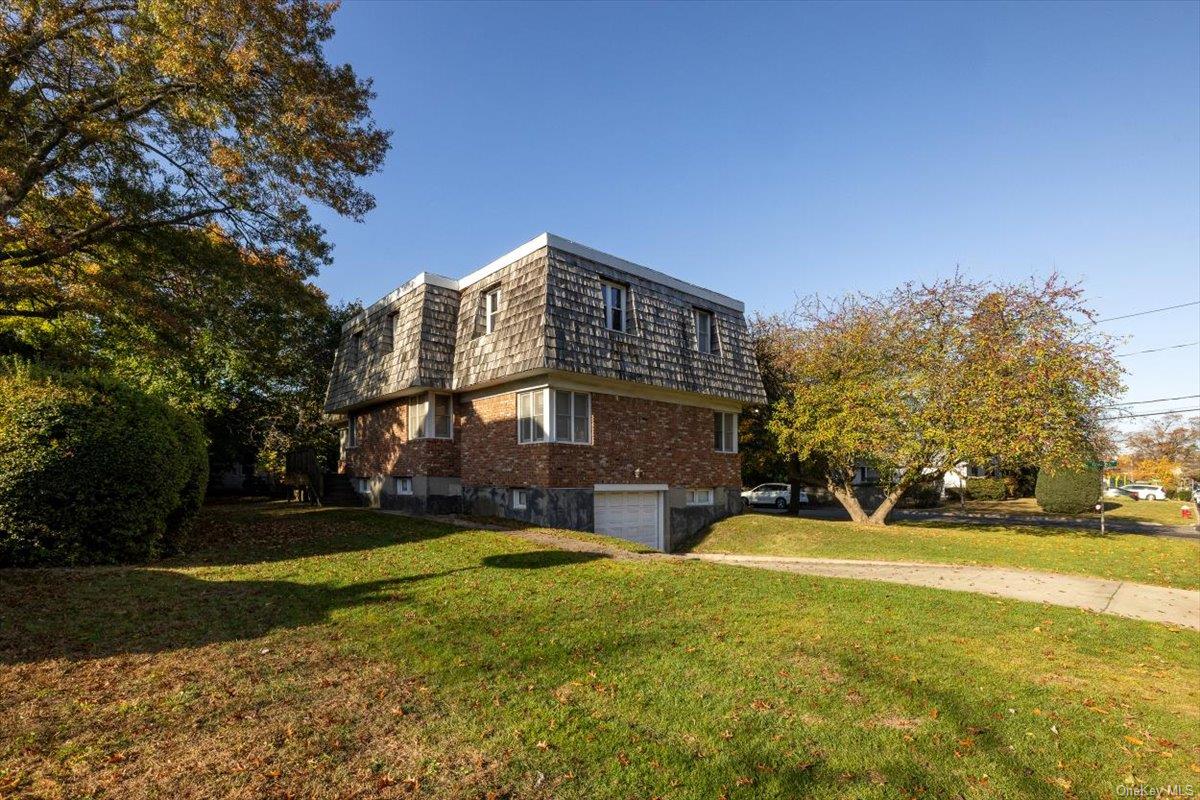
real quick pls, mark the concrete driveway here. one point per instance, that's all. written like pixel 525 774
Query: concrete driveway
pixel 1120 598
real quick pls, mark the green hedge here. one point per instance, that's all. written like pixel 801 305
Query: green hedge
pixel 1068 491
pixel 986 488
pixel 92 471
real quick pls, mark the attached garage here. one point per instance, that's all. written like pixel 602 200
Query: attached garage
pixel 631 511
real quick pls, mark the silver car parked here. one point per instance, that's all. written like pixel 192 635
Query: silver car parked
pixel 771 494
pixel 1144 491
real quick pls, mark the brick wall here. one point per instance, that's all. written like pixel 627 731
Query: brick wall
pixel 384 447
pixel 670 443
pixel 488 442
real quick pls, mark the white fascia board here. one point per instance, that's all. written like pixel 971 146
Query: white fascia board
pixel 494 266
pixel 431 278
pixel 582 250
pixel 558 243
pixel 629 487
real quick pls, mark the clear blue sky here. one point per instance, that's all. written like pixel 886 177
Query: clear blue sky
pixel 765 150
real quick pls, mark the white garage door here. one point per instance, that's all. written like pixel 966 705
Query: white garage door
pixel 636 516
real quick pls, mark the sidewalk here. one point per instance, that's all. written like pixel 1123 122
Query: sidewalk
pixel 1120 598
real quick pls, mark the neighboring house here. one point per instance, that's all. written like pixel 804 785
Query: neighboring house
pixel 557 385
pixel 956 476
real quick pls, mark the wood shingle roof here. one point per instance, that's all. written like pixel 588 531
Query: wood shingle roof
pixel 430 333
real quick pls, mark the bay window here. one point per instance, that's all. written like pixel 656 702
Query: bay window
pixel 554 415
pixel 531 416
pixel 431 416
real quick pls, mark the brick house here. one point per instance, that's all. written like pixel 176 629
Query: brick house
pixel 557 385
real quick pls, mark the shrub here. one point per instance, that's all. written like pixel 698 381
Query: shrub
pixel 927 494
pixel 194 452
pixel 91 470
pixel 986 489
pixel 1182 494
pixel 1068 491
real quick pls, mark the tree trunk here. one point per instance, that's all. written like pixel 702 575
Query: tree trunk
pixel 845 495
pixel 794 484
pixel 879 515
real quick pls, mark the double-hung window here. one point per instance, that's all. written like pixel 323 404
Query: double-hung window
pixel 388 341
pixel 531 416
pixel 402 485
pixel 699 497
pixel 706 331
pixel 615 306
pixel 554 415
pixel 572 417
pixel 491 310
pixel 725 432
pixel 431 416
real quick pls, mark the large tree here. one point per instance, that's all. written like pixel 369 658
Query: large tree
pixel 912 381
pixel 121 120
pixel 1168 442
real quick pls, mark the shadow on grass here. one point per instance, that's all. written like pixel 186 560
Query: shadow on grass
pixel 255 532
pixel 83 614
pixel 539 559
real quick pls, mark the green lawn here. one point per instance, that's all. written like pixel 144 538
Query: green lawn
pixel 1164 512
pixel 1126 556
pixel 342 653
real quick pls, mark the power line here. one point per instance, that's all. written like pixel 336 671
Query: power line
pixel 1158 349
pixel 1150 311
pixel 1152 414
pixel 1159 400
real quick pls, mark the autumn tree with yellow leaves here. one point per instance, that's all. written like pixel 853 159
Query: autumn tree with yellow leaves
pixel 913 381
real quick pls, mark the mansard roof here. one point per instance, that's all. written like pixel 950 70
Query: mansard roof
pixel 430 333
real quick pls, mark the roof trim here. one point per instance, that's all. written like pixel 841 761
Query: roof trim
pixel 592 254
pixel 532 246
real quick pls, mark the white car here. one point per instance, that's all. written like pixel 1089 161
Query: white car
pixel 771 494
pixel 1144 491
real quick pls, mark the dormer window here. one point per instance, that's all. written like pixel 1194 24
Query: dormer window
pixel 389 334
pixel 615 306
pixel 706 331
pixel 491 310
pixel 356 347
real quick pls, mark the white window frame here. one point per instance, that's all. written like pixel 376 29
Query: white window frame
pixel 700 497
pixel 573 400
pixel 388 342
pixel 351 431
pixel 402 484
pixel 424 417
pixel 528 399
pixel 549 417
pixel 362 485
pixel 704 339
pixel 606 287
pixel 520 499
pixel 729 438
pixel 491 309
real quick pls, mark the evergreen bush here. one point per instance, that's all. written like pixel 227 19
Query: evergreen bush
pixel 92 471
pixel 1067 491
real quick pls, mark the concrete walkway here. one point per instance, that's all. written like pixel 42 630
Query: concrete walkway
pixel 1120 598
